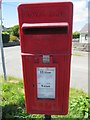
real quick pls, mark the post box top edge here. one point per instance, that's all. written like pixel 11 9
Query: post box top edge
pixel 42 3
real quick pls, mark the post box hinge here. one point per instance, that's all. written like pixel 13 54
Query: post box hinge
pixel 46 59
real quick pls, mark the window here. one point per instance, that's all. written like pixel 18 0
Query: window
pixel 86 37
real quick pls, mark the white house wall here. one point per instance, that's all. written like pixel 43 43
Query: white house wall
pixel 82 38
pixel 88 39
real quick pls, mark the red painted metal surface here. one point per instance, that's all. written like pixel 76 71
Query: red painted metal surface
pixel 46 29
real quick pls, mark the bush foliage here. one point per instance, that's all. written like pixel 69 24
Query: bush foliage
pixel 5 37
pixel 13 38
pixel 14 31
pixel 76 35
pixel 13 106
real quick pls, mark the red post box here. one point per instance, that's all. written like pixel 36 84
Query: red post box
pixel 46 40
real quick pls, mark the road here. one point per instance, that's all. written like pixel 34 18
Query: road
pixel 79 72
pixel 79 67
pixel 12 61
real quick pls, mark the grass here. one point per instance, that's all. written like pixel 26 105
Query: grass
pixel 13 106
pixel 76 54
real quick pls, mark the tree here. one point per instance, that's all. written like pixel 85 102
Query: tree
pixel 15 30
pixel 5 37
pixel 76 35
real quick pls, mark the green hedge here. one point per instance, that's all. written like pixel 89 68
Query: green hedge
pixel 5 37
pixel 13 38
pixel 76 35
pixel 13 104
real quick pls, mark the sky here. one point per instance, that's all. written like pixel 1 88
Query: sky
pixel 10 15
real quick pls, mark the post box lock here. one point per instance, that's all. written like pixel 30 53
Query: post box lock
pixel 46 59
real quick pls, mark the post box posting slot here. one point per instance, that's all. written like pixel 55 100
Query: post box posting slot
pixel 45 28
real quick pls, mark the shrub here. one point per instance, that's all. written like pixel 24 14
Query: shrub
pixel 13 38
pixel 15 30
pixel 5 37
pixel 76 35
pixel 9 30
pixel 13 104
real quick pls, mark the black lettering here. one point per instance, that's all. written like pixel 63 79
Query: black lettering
pixel 46 85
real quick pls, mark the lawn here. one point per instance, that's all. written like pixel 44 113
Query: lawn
pixel 13 106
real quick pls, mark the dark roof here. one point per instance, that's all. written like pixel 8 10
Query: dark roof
pixel 85 28
pixel 3 28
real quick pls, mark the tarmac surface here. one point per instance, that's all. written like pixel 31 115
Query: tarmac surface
pixel 79 66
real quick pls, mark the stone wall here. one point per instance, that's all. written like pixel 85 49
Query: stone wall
pixel 81 46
